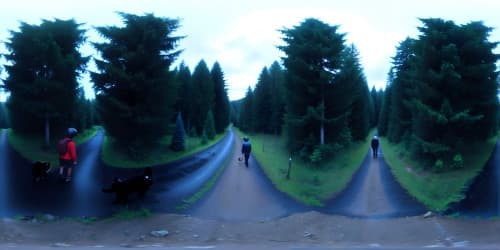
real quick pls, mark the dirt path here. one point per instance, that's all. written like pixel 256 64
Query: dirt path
pixel 244 194
pixel 374 193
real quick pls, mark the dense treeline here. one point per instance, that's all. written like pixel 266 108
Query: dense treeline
pixel 42 77
pixel 442 92
pixel 320 99
pixel 138 96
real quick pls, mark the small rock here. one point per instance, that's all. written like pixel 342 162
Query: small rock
pixel 159 233
pixel 428 214
pixel 308 235
pixel 195 236
pixel 142 238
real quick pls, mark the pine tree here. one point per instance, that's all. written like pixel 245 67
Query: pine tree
pixel 185 102
pixel 386 105
pixel 42 75
pixel 247 112
pixel 276 75
pixel 203 95
pixel 263 102
pixel 221 100
pixel 455 99
pixel 209 125
pixel 3 116
pixel 178 140
pixel 135 89
pixel 359 119
pixel 400 114
pixel 313 56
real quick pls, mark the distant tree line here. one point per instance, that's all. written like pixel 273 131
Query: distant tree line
pixel 320 100
pixel 138 96
pixel 442 92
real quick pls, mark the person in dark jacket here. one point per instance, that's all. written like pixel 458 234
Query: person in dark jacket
pixel 246 148
pixel 67 157
pixel 375 146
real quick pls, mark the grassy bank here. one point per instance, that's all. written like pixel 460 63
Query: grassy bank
pixel 160 155
pixel 310 184
pixel 33 147
pixel 436 190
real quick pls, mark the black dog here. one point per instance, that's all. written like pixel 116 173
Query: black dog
pixel 40 170
pixel 124 187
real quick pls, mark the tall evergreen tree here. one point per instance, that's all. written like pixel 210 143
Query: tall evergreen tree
pixel 185 103
pixel 247 112
pixel 263 102
pixel 400 114
pixel 455 95
pixel 203 95
pixel 385 108
pixel 276 75
pixel 42 75
pixel 209 125
pixel 313 56
pixel 221 100
pixel 4 122
pixel 374 94
pixel 135 90
pixel 178 140
pixel 359 120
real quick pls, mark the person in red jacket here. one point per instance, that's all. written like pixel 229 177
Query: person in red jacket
pixel 67 154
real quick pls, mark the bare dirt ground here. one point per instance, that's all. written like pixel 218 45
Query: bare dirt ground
pixel 311 229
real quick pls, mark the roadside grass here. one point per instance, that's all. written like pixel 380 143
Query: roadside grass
pixel 310 184
pixel 186 203
pixel 32 147
pixel 437 191
pixel 160 155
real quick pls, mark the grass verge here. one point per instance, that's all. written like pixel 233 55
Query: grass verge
pixel 186 203
pixel 312 185
pixel 128 214
pixel 436 190
pixel 32 147
pixel 160 155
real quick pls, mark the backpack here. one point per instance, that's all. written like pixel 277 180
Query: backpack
pixel 62 146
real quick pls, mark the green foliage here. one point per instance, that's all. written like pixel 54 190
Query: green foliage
pixel 128 214
pixel 247 115
pixel 185 104
pixel 203 138
pixel 319 91
pixel 133 84
pixel 209 126
pixel 178 140
pixel 4 116
pixel 44 64
pixel 203 95
pixel 221 100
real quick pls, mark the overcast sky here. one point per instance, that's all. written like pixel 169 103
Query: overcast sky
pixel 242 35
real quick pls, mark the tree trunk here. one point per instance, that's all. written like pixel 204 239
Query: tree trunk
pixel 47 130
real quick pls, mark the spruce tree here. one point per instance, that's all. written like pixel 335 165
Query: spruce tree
pixel 44 65
pixel 178 139
pixel 359 119
pixel 135 89
pixel 185 103
pixel 221 100
pixel 209 125
pixel 276 75
pixel 263 102
pixel 312 58
pixel 203 95
pixel 400 114
pixel 455 99
pixel 247 112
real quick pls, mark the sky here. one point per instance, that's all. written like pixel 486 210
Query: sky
pixel 243 35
